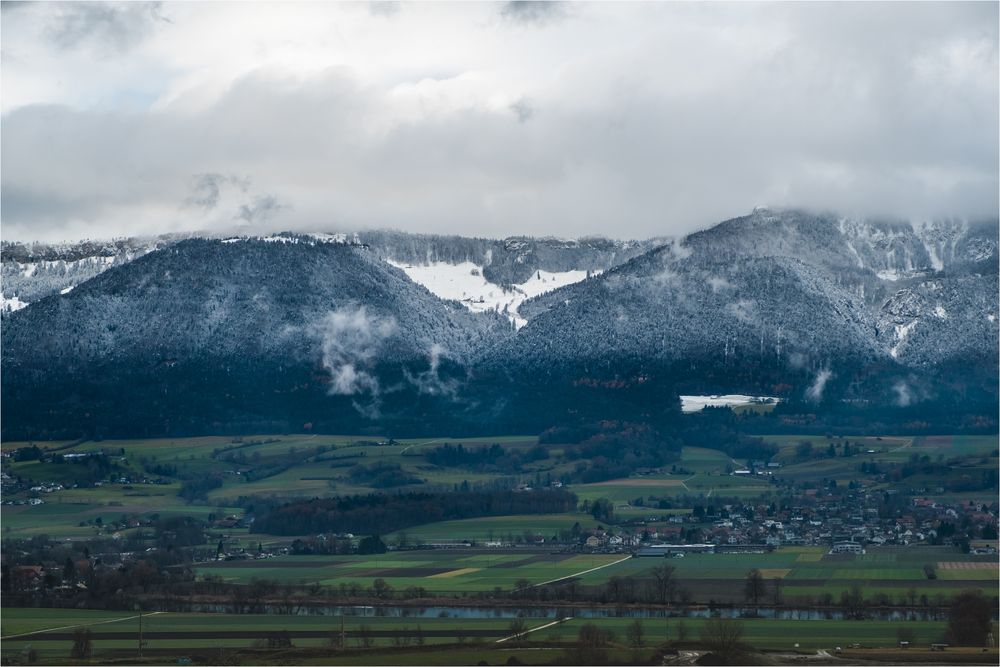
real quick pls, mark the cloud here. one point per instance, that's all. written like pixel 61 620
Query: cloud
pixel 523 110
pixel 350 339
pixel 861 108
pixel 430 381
pixel 207 189
pixel 815 391
pixel 532 11
pixel 904 396
pixel 384 8
pixel 745 311
pixel 261 210
pixel 718 284
pixel 110 27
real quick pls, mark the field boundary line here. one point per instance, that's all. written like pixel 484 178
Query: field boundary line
pixel 540 627
pixel 418 444
pixel 80 625
pixel 577 574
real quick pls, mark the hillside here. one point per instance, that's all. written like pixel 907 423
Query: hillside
pixel 416 334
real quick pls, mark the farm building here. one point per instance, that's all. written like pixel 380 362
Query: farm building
pixel 847 548
pixel 662 550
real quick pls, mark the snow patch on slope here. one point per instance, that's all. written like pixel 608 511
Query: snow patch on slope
pixel 464 282
pixel 699 403
pixel 902 331
pixel 11 304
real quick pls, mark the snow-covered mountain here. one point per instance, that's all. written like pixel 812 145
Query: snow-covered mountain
pixel 32 271
pixel 482 274
pixel 795 293
pixel 388 329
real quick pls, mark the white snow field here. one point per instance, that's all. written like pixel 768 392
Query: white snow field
pixel 464 282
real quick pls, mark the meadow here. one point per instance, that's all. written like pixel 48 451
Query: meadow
pixel 303 465
pixel 437 640
pixel 807 573
pixel 442 571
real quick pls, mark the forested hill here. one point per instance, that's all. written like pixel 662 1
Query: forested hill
pixel 294 332
pixel 206 333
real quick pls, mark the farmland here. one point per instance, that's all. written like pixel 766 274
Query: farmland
pixel 439 572
pixel 373 639
pixel 808 575
pixel 138 516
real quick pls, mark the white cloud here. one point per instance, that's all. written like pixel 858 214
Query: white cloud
pixel 630 119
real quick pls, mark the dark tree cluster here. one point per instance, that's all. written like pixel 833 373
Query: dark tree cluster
pixel 383 513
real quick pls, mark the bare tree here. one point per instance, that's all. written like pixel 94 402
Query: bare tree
pixel 776 590
pixel 724 637
pixel 636 639
pixel 517 629
pixel 665 584
pixel 81 645
pixel 853 603
pixel 365 639
pixel 636 634
pixel 591 646
pixel 754 587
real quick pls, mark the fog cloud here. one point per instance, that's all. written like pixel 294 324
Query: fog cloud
pixel 904 396
pixel 625 119
pixel 350 339
pixel 431 381
pixel 815 391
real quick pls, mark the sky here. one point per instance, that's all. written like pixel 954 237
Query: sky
pixel 628 120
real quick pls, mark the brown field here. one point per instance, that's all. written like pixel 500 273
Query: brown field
pixel 968 565
pixel 775 572
pixel 455 573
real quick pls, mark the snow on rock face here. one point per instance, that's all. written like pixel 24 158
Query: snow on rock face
pixel 464 282
pixel 902 331
pixel 9 305
pixel 34 280
pixel 699 403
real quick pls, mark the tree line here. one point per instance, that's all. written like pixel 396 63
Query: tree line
pixel 384 513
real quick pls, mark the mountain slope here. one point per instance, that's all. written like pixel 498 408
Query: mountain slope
pixel 783 303
pixel 292 332
pixel 247 331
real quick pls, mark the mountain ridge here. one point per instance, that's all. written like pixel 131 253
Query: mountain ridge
pixel 783 303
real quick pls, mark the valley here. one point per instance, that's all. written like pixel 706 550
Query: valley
pixel 380 447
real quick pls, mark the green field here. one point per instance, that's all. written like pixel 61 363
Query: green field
pixel 809 572
pixel 183 633
pixel 303 465
pixel 438 571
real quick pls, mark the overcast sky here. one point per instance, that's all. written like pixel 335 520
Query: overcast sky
pixel 628 120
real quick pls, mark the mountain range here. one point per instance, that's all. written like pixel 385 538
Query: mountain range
pixel 393 332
